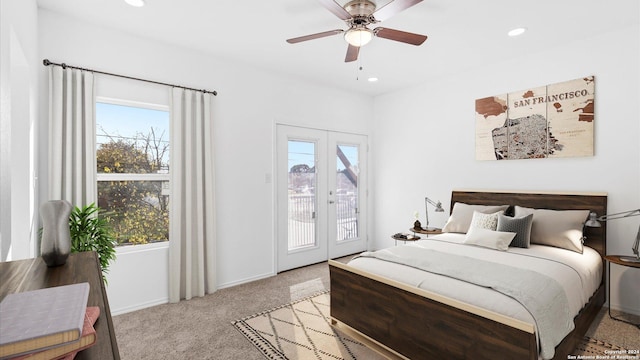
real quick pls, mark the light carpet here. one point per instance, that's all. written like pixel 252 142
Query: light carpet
pixel 302 330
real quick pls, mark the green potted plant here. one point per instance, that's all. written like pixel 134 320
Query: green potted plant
pixel 92 233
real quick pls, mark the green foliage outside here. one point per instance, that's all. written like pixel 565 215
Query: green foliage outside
pixel 138 211
pixel 119 156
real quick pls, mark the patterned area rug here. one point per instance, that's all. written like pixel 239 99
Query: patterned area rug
pixel 595 349
pixel 302 330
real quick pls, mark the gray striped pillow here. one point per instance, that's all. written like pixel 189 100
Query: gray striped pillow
pixel 521 226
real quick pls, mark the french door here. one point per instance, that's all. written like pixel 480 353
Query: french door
pixel 321 195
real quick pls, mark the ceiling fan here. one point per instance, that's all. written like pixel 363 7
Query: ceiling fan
pixel 358 14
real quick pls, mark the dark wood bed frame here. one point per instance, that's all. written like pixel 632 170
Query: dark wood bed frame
pixel 417 324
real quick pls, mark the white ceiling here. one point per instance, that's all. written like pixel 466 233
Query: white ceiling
pixel 462 34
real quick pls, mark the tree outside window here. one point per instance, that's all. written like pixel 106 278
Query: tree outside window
pixel 132 158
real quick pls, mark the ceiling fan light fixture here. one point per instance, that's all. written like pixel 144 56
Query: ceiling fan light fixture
pixel 358 36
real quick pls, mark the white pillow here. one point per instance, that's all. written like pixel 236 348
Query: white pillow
pixel 485 221
pixel 498 240
pixel 462 213
pixel 559 228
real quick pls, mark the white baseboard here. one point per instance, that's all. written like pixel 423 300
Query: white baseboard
pixel 246 280
pixel 116 312
pixel 625 309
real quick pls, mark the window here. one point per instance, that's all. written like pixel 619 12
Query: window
pixel 132 156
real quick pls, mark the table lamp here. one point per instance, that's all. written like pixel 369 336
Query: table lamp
pixel 437 205
pixel 594 221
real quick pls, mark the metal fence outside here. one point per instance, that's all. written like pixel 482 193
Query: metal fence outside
pixel 302 219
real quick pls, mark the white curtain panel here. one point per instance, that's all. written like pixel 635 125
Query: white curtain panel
pixel 192 237
pixel 72 136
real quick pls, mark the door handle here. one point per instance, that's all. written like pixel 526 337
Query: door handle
pixel 331 201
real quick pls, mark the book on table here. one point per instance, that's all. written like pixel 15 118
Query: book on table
pixel 69 351
pixel 40 319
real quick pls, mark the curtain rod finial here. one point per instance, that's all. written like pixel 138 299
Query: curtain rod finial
pixel 46 62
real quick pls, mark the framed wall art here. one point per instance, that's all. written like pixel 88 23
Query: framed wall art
pixel 542 122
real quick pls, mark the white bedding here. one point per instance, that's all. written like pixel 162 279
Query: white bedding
pixel 578 274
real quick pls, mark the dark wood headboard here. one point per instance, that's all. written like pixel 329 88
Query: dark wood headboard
pixel 596 238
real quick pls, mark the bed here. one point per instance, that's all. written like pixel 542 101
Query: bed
pixel 418 323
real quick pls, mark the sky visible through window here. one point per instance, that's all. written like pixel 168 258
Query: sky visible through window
pixel 125 122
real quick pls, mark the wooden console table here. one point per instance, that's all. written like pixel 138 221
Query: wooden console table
pixel 32 274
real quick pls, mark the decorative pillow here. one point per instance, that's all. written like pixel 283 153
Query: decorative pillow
pixel 559 228
pixel 498 240
pixel 462 213
pixel 520 226
pixel 484 221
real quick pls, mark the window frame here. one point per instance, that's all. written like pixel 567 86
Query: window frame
pixel 104 177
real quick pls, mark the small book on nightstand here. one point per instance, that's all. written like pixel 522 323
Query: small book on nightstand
pixel 37 320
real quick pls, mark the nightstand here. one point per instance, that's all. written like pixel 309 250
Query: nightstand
pixel 404 237
pixel 429 231
pixel 618 261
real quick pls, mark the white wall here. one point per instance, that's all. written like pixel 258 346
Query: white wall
pixel 249 103
pixel 431 128
pixel 18 112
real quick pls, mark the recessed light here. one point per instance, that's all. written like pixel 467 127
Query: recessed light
pixel 136 3
pixel 517 31
pixel 372 79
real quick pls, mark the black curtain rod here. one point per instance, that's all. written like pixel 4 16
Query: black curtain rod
pixel 46 62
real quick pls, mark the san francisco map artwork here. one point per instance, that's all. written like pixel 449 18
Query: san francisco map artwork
pixel 543 122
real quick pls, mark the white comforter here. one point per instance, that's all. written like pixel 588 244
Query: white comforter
pixel 578 274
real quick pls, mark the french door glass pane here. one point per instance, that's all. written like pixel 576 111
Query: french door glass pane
pixel 347 192
pixel 302 194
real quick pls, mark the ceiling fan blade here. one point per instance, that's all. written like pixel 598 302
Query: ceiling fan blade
pixel 401 36
pixel 336 9
pixel 393 8
pixel 314 36
pixel 352 53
